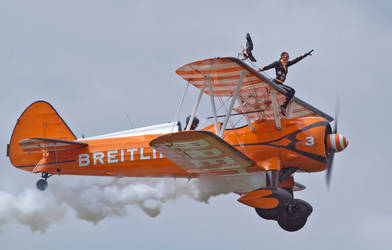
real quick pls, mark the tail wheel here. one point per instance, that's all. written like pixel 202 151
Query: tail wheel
pixel 294 216
pixel 42 184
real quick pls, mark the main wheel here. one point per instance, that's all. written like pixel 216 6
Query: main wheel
pixel 42 184
pixel 269 214
pixel 283 196
pixel 293 225
pixel 295 215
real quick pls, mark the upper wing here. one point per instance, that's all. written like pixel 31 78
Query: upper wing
pixel 256 89
pixel 37 145
pixel 202 152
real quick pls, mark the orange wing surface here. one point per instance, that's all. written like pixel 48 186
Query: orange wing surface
pixel 256 89
pixel 201 152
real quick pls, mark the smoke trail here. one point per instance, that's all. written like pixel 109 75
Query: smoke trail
pixel 98 201
pixel 32 208
pixel 95 202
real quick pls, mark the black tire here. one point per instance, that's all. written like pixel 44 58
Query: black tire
pixel 284 197
pixel 294 216
pixel 269 214
pixel 42 184
pixel 305 207
pixel 293 225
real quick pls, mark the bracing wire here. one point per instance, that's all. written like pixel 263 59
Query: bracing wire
pixel 233 126
pixel 180 106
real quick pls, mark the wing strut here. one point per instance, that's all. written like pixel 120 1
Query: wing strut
pixel 213 106
pixel 197 104
pixel 276 109
pixel 233 99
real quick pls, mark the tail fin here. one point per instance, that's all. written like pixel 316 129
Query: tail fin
pixel 40 119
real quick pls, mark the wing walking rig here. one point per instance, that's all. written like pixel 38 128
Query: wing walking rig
pixel 259 159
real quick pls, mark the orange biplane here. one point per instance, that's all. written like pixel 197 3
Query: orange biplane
pixel 269 147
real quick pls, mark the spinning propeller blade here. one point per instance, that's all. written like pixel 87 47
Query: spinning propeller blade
pixel 331 155
pixel 329 168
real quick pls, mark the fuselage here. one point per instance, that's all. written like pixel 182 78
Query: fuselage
pixel 300 143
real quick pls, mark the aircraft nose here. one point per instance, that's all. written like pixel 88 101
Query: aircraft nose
pixel 336 142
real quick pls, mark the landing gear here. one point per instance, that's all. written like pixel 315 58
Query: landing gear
pixel 291 217
pixel 269 214
pixel 291 214
pixel 293 225
pixel 294 215
pixel 42 184
pixel 283 196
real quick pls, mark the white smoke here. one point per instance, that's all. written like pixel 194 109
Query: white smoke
pixel 32 208
pixel 98 201
pixel 95 202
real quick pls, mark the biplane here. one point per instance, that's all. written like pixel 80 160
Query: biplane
pixel 267 150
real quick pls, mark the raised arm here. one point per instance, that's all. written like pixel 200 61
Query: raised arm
pixel 289 63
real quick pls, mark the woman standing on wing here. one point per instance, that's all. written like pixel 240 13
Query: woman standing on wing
pixel 281 73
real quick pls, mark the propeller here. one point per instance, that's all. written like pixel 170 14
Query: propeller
pixel 330 157
pixel 335 143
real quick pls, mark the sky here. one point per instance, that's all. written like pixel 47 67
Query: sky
pixel 110 65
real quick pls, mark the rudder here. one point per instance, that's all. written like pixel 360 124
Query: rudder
pixel 40 119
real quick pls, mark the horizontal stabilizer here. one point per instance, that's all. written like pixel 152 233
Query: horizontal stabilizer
pixel 37 145
pixel 202 152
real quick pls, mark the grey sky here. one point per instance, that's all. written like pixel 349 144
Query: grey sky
pixel 94 61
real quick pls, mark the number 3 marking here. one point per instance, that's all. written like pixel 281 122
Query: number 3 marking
pixel 309 141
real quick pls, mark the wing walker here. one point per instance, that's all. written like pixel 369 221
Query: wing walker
pixel 265 153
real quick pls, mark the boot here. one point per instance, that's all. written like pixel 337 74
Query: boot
pixel 283 110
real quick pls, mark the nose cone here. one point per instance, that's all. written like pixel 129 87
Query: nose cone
pixel 336 142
